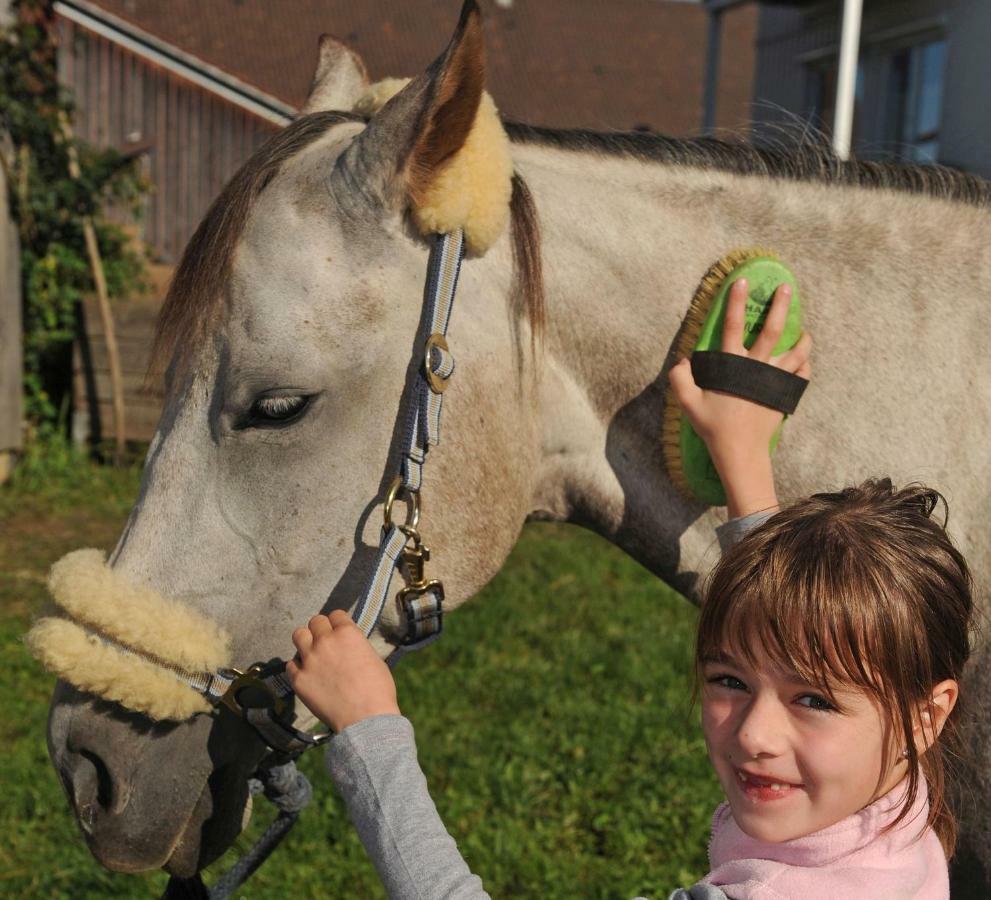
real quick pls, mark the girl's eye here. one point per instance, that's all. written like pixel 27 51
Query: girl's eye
pixel 816 702
pixel 276 410
pixel 730 682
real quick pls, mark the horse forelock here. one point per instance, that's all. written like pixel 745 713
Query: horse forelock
pixel 195 299
pixel 195 302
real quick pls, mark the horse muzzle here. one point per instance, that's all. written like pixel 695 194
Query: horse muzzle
pixel 149 795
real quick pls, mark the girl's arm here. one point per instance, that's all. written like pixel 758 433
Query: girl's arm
pixel 738 432
pixel 342 680
pixel 373 763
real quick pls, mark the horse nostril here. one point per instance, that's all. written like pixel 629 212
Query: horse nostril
pixel 92 788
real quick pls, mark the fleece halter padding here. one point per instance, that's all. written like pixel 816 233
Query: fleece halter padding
pixel 157 637
pixel 473 189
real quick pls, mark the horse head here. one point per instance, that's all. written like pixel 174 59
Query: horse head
pixel 290 331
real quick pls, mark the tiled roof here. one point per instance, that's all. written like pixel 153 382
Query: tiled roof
pixel 592 63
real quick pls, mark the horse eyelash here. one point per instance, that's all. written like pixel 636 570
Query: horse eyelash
pixel 284 410
pixel 283 405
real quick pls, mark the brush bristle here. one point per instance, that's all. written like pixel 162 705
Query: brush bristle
pixel 688 335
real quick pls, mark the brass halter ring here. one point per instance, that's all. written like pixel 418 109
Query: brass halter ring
pixel 412 505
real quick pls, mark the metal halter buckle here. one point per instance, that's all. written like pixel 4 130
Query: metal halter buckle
pixel 249 690
pixel 421 620
pixel 438 383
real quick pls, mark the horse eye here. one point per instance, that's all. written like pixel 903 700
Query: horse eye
pixel 276 409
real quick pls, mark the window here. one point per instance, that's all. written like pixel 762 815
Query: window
pixel 915 100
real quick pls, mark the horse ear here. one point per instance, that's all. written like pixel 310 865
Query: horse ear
pixel 340 78
pixel 407 143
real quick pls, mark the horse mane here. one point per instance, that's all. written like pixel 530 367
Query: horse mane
pixel 195 300
pixel 808 157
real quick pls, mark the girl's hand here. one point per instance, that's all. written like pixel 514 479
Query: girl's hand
pixel 338 674
pixel 738 432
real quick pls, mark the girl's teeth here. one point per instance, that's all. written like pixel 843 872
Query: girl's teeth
pixel 774 786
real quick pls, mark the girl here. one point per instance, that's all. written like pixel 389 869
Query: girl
pixel 830 647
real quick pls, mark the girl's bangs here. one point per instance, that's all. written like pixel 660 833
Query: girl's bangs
pixel 797 618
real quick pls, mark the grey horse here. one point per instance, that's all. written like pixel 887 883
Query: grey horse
pixel 303 283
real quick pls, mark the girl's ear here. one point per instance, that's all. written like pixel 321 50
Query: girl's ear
pixel 933 712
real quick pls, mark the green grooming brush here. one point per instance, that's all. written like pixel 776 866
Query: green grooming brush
pixel 685 454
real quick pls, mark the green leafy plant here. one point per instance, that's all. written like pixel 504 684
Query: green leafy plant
pixel 49 207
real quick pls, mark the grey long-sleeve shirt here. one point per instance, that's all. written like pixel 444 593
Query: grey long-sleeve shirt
pixel 375 767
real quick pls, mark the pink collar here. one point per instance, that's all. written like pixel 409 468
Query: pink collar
pixel 853 858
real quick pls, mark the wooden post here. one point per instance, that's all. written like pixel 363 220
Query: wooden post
pixel 103 302
pixel 11 361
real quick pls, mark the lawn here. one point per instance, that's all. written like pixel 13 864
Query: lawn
pixel 553 722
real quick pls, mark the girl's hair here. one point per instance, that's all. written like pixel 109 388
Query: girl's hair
pixel 860 588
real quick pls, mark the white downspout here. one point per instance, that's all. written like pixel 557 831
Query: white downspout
pixel 846 81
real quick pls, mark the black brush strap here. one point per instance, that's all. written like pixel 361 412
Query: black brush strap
pixel 751 379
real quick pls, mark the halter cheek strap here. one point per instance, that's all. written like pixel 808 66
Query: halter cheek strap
pixel 401 548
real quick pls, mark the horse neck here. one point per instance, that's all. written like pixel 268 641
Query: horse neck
pixel 619 271
pixel 625 243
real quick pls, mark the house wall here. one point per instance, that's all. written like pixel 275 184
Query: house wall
pixel 967 104
pixel 790 40
pixel 606 64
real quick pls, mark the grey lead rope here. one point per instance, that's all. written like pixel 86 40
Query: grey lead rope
pixel 290 791
pixel 248 864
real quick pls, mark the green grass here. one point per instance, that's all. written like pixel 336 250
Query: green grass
pixel 552 720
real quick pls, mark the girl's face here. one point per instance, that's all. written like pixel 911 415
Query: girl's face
pixel 790 761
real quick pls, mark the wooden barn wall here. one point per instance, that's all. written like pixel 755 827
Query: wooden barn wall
pixel 190 144
pixel 134 324
pixel 193 141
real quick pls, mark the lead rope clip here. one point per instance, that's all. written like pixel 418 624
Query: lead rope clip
pixel 421 602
